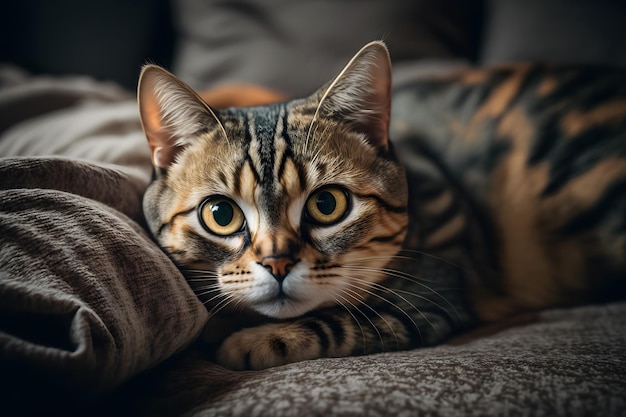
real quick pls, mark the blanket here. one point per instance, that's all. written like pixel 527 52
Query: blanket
pixel 569 362
pixel 87 300
pixel 96 320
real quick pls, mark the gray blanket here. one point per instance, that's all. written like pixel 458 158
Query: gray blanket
pixel 566 363
pixel 95 319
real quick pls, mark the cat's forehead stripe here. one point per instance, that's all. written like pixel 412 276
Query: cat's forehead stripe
pixel 280 145
pixel 269 150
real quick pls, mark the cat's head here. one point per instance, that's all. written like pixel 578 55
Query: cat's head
pixel 281 208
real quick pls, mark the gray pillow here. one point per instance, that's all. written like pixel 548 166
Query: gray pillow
pixel 87 300
pixel 295 47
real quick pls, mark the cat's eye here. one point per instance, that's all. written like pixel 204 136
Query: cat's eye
pixel 327 205
pixel 221 216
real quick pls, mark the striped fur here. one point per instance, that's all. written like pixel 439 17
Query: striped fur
pixel 491 209
pixel 525 169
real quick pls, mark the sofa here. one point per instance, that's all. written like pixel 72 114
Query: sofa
pixel 96 320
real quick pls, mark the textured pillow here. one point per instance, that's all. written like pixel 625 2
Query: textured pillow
pixel 87 300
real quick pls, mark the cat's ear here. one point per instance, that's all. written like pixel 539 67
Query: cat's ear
pixel 361 94
pixel 172 114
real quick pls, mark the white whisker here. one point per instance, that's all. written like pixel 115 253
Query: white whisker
pixel 368 291
pixel 205 290
pixel 197 278
pixel 393 292
pixel 366 318
pixel 438 258
pixel 414 278
pixel 411 258
pixel 408 277
pixel 356 296
pixel 221 304
pixel 414 294
pixel 201 274
pixel 352 315
pixel 218 295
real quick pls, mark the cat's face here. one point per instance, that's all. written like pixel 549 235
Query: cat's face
pixel 282 208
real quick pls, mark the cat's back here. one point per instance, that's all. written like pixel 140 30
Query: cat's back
pixel 493 110
pixel 536 155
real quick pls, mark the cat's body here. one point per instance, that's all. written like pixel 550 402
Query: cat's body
pixel 296 223
pixel 535 156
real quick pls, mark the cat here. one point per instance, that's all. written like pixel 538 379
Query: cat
pixel 308 233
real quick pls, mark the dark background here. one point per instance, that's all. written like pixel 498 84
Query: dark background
pixel 111 39
pixel 108 40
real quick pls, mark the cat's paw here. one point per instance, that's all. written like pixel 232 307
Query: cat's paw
pixel 267 346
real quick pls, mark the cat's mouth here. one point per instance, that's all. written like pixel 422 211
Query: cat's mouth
pixel 283 306
pixel 287 297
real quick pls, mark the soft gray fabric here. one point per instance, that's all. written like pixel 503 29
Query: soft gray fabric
pixel 74 117
pixel 87 300
pixel 295 47
pixel 568 362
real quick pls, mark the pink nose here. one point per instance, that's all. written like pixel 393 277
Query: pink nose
pixel 278 266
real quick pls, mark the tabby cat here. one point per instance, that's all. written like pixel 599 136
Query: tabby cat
pixel 307 237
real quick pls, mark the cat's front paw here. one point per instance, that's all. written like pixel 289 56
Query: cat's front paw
pixel 267 346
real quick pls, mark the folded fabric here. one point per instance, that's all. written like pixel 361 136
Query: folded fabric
pixel 87 299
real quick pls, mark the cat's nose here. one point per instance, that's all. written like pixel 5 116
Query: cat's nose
pixel 278 266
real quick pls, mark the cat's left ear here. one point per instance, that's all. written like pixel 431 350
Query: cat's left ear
pixel 172 114
pixel 361 94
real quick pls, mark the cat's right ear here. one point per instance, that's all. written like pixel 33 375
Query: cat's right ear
pixel 172 114
pixel 361 94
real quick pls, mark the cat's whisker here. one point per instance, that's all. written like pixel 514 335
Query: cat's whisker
pixel 359 298
pixel 438 258
pixel 397 293
pixel 405 276
pixel 201 279
pixel 201 274
pixel 197 270
pixel 195 273
pixel 223 305
pixel 237 304
pixel 402 275
pixel 394 273
pixel 205 283
pixel 429 290
pixel 373 294
pixel 334 297
pixel 202 291
pixel 410 258
pixel 228 298
pixel 218 295
pixel 354 306
pixel 412 277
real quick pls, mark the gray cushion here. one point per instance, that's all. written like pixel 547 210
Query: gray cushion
pixel 87 300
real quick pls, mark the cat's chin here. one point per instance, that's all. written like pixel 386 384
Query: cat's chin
pixel 285 307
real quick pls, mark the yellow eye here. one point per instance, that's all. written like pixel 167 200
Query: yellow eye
pixel 327 205
pixel 221 216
